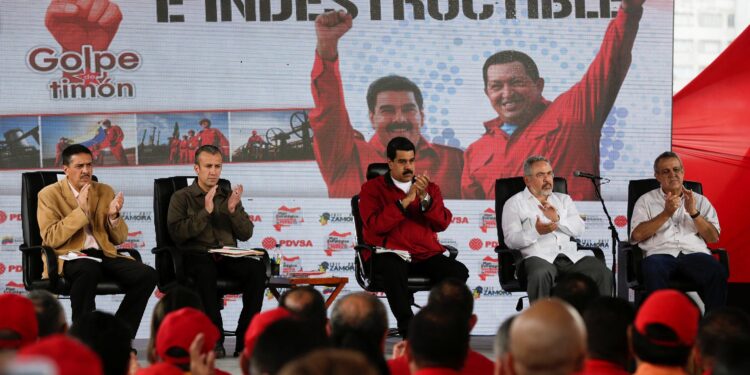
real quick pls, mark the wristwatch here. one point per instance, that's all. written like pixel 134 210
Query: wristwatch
pixel 696 214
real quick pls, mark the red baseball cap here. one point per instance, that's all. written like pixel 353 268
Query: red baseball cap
pixel 18 315
pixel 70 356
pixel 259 324
pixel 672 309
pixel 179 328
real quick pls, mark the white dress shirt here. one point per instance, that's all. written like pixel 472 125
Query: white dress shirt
pixel 90 242
pixel 678 234
pixel 519 227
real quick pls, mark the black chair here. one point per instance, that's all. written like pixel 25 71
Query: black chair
pixel 168 259
pixel 364 272
pixel 633 254
pixel 32 249
pixel 510 261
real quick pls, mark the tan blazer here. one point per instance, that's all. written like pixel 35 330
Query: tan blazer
pixel 62 222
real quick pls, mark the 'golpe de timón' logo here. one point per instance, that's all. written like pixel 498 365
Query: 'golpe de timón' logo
pixel 86 64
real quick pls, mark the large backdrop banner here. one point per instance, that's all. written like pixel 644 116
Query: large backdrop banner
pixel 143 84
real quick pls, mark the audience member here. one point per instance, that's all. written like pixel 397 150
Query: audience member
pixel 723 342
pixel 259 324
pixel 502 345
pixel 176 298
pixel 308 305
pixel 548 338
pixel 67 355
pixel 438 341
pixel 108 337
pixel 18 325
pixel 177 333
pixel 330 362
pixel 607 320
pixel 455 295
pixel 664 333
pixel 576 289
pixel 49 313
pixel 359 322
pixel 281 343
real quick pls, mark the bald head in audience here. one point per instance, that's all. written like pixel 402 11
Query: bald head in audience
pixel 548 338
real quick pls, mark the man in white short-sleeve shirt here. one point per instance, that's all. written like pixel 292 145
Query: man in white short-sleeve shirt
pixel 673 225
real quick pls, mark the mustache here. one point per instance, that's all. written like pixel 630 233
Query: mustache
pixel 399 126
pixel 407 171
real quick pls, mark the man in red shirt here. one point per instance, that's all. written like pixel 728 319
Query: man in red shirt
pixel 184 149
pixel 59 147
pixel 254 144
pixel 405 211
pixel 395 105
pixel 174 150
pixel 567 130
pixel 113 141
pixel 193 144
pixel 212 136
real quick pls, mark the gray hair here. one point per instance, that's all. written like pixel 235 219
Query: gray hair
pixel 665 155
pixel 530 161
pixel 502 337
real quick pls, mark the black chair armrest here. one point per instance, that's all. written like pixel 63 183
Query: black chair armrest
pixel 135 254
pixel 723 256
pixel 266 259
pixel 32 254
pixel 175 255
pixel 598 253
pixel 364 279
pixel 633 258
pixel 452 251
pixel 505 256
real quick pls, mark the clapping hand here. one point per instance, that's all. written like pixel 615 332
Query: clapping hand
pixel 115 206
pixel 234 198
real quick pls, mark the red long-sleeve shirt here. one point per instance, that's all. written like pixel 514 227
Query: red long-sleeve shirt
pixel 475 364
pixel 343 157
pixel 114 137
pixel 387 224
pixel 567 131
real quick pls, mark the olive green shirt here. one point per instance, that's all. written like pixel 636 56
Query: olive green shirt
pixel 191 226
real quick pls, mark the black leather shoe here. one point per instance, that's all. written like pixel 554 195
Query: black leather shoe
pixel 219 351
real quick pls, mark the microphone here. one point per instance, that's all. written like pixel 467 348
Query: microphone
pixel 587 175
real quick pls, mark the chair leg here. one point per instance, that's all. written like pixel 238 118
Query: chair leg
pixel 519 304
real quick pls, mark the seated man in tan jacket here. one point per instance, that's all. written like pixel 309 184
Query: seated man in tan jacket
pixel 82 216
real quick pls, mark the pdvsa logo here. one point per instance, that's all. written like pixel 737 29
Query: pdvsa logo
pixel 488 291
pixel 9 217
pixel 268 243
pixel 335 218
pixel 295 243
pixel 488 267
pixel 287 216
pixel 17 268
pixel 336 241
pixel 477 244
pixel 255 218
pixel 621 221
pixel 487 220
pixel 336 267
pixel 134 241
pixel 460 220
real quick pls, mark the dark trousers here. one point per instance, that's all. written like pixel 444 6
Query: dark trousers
pixel 395 272
pixel 251 274
pixel 702 269
pixel 136 278
pixel 541 275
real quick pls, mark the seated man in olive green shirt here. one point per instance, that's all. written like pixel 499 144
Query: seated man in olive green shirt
pixel 203 216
